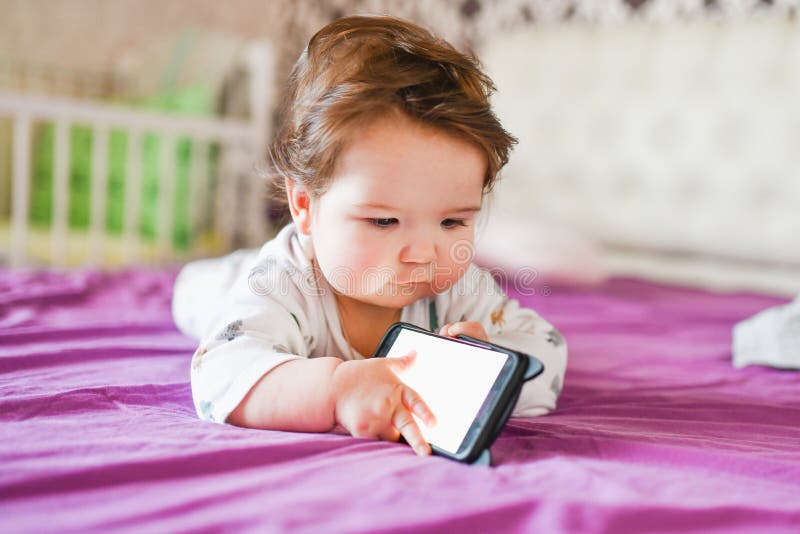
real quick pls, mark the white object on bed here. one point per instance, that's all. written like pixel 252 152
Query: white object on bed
pixel 771 337
pixel 661 141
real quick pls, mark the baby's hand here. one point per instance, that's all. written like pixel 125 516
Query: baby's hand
pixel 371 401
pixel 469 328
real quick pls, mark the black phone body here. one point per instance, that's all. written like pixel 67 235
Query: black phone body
pixel 470 385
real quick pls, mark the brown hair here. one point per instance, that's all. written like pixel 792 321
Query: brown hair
pixel 359 68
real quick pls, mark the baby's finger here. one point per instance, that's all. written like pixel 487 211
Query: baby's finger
pixel 469 328
pixel 389 434
pixel 405 424
pixel 413 401
pixel 462 327
pixel 403 362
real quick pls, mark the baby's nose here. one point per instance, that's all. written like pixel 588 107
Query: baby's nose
pixel 419 251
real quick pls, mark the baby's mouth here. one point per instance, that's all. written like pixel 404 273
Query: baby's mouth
pixel 415 282
pixel 417 278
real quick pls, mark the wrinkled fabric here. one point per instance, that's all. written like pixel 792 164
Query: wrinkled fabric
pixel 655 430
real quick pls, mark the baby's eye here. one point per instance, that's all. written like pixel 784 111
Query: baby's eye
pixel 452 223
pixel 383 223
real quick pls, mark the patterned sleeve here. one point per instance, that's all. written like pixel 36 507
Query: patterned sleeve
pixel 477 297
pixel 258 326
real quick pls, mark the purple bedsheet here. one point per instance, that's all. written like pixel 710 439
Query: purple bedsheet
pixel 655 430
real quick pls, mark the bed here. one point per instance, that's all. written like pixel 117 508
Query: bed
pixel 655 430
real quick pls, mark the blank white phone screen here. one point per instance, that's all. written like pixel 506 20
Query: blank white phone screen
pixel 453 379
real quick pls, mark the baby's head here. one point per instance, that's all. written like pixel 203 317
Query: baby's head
pixel 387 145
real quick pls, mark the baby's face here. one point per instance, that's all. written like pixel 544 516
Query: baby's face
pixel 397 223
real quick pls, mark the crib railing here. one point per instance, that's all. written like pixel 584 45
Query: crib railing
pixel 225 203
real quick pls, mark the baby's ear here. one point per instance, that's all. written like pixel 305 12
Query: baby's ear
pixel 299 206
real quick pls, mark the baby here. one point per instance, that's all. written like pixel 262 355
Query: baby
pixel 387 147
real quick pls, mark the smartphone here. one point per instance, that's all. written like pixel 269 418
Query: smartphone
pixel 470 385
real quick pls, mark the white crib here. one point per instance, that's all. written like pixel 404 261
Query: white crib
pixel 226 201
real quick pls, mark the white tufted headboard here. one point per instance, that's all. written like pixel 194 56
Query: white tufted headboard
pixel 675 146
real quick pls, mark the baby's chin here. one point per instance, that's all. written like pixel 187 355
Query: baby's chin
pixel 399 296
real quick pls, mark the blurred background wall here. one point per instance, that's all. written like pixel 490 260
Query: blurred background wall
pixel 95 34
pixel 657 137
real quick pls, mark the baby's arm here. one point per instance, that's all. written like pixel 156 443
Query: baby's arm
pixel 296 395
pixel 313 395
pixel 253 367
pixel 253 372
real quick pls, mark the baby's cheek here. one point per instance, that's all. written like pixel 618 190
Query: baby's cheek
pixel 336 249
pixel 369 270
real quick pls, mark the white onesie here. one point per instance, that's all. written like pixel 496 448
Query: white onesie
pixel 255 309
